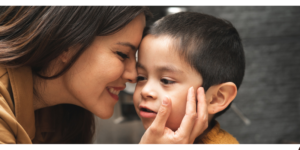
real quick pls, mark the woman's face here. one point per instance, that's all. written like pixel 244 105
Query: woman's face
pixel 101 72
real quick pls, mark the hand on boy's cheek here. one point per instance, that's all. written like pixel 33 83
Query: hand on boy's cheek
pixel 193 124
pixel 178 109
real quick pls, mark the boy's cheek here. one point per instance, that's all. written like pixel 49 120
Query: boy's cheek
pixel 174 120
pixel 178 110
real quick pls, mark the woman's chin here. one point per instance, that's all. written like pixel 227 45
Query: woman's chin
pixel 104 115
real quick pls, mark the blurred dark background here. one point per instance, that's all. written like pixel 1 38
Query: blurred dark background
pixel 267 105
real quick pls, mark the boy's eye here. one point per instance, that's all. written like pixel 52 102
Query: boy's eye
pixel 124 56
pixel 165 81
pixel 140 78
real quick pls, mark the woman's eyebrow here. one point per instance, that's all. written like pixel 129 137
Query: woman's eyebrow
pixel 128 45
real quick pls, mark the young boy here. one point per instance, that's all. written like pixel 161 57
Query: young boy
pixel 183 50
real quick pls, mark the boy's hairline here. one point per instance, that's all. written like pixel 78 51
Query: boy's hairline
pixel 177 48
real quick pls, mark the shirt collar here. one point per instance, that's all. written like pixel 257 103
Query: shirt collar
pixel 22 89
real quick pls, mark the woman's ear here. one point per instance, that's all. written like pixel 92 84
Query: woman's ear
pixel 220 96
pixel 66 55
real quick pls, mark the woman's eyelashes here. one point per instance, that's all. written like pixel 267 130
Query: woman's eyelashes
pixel 166 81
pixel 124 56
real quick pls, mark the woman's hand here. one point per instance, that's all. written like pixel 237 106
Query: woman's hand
pixel 192 125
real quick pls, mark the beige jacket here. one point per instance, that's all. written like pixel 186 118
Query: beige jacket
pixel 17 120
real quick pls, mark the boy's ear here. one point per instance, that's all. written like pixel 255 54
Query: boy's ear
pixel 220 96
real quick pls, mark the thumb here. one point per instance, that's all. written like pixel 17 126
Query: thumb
pixel 163 114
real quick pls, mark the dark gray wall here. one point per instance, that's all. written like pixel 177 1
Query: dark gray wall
pixel 270 93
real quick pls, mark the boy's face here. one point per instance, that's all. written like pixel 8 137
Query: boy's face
pixel 162 73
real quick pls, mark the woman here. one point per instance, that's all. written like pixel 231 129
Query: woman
pixel 61 65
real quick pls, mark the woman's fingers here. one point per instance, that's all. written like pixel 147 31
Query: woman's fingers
pixel 189 119
pixel 159 123
pixel 202 120
pixel 192 125
pixel 156 132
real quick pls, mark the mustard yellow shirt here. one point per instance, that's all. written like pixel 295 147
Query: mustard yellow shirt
pixel 218 136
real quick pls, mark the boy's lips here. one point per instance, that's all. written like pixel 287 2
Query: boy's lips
pixel 146 112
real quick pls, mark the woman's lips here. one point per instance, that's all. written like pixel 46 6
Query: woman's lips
pixel 147 113
pixel 114 92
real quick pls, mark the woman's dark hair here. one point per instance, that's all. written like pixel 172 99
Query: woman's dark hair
pixel 34 36
pixel 210 45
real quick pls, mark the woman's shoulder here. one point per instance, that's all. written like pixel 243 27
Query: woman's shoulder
pixel 6 104
pixel 7 118
pixel 11 129
pixel 5 90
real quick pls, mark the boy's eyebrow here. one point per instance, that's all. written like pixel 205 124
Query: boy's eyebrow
pixel 166 68
pixel 169 68
pixel 139 65
pixel 128 45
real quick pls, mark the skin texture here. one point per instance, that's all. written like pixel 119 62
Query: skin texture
pixel 162 73
pixel 108 63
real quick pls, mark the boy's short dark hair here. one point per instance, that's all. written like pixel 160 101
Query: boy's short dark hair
pixel 210 45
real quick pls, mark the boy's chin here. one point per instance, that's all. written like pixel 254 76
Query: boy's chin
pixel 147 125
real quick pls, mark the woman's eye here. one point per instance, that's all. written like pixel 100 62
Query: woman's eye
pixel 165 81
pixel 124 56
pixel 140 78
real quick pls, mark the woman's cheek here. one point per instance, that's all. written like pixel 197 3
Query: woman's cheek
pixel 116 70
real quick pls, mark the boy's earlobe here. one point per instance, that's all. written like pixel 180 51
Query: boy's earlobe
pixel 220 96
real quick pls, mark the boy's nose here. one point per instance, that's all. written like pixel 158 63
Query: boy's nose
pixel 148 92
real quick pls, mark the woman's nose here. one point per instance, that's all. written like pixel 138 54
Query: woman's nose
pixel 130 73
pixel 148 92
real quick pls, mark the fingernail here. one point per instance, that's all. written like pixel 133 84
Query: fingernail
pixel 165 101
pixel 191 89
pixel 200 89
